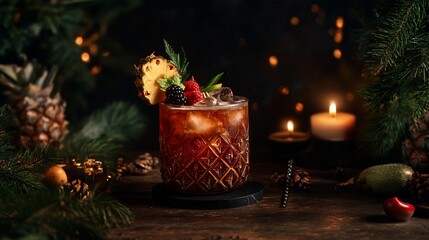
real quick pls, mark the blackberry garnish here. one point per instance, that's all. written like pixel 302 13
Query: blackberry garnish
pixel 175 95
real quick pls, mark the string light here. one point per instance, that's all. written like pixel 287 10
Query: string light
pixel 274 61
pixel 340 22
pixel 78 40
pixel 338 37
pixel 294 21
pixel 337 53
pixel 95 70
pixel 299 107
pixel 315 8
pixel 93 49
pixel 284 90
pixel 85 57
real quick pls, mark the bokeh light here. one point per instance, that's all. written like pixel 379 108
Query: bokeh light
pixel 85 57
pixel 95 70
pixel 340 22
pixel 78 40
pixel 299 107
pixel 315 8
pixel 294 21
pixel 337 53
pixel 274 61
pixel 284 90
pixel 338 37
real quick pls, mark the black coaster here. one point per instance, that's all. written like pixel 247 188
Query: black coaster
pixel 249 193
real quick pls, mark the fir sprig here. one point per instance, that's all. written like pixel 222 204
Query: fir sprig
pixel 178 59
pixel 22 172
pixel 55 216
pixel 117 122
pixel 395 31
pixel 397 66
pixel 6 147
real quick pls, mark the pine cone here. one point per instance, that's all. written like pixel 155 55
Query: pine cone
pixel 92 167
pixel 142 165
pixel 77 190
pixel 419 186
pixel 415 149
pixel 300 179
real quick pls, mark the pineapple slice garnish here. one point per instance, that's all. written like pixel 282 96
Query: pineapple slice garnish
pixel 152 69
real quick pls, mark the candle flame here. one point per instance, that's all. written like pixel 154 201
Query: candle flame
pixel 290 126
pixel 333 110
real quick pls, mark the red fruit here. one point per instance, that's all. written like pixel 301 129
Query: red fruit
pixel 397 209
pixel 193 97
pixel 191 85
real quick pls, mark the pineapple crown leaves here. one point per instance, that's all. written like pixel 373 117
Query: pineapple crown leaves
pixel 167 82
pixel 14 76
pixel 178 59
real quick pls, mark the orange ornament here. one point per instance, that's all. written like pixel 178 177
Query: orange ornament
pixel 55 176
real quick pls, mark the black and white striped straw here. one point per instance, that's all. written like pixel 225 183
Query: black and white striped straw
pixel 285 195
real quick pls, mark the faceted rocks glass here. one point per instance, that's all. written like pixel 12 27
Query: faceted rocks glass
pixel 204 149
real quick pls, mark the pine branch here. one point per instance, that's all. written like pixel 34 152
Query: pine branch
pixel 398 63
pixel 56 216
pixel 179 60
pixel 393 34
pixel 83 148
pixel 385 128
pixel 104 207
pixel 21 173
pixel 118 122
pixel 6 147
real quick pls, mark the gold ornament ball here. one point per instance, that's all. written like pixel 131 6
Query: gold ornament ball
pixel 55 176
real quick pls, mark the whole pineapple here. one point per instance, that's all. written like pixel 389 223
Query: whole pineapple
pixel 37 109
pixel 415 149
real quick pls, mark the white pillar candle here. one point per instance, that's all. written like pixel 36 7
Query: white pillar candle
pixel 333 126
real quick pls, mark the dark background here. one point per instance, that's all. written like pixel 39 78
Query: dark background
pixel 237 37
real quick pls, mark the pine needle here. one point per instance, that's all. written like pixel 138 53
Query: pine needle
pixel 397 63
pixel 395 31
pixel 54 216
pixel 118 122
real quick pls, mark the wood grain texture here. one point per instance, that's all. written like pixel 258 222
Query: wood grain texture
pixel 322 212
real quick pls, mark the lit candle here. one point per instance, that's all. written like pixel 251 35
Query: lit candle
pixel 290 135
pixel 333 126
pixel 289 141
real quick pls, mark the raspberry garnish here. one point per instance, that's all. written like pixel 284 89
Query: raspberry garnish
pixel 193 97
pixel 191 85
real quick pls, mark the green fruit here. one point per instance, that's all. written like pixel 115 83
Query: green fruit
pixel 386 179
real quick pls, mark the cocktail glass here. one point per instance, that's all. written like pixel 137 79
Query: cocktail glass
pixel 204 149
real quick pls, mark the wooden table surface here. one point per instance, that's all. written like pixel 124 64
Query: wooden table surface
pixel 322 212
